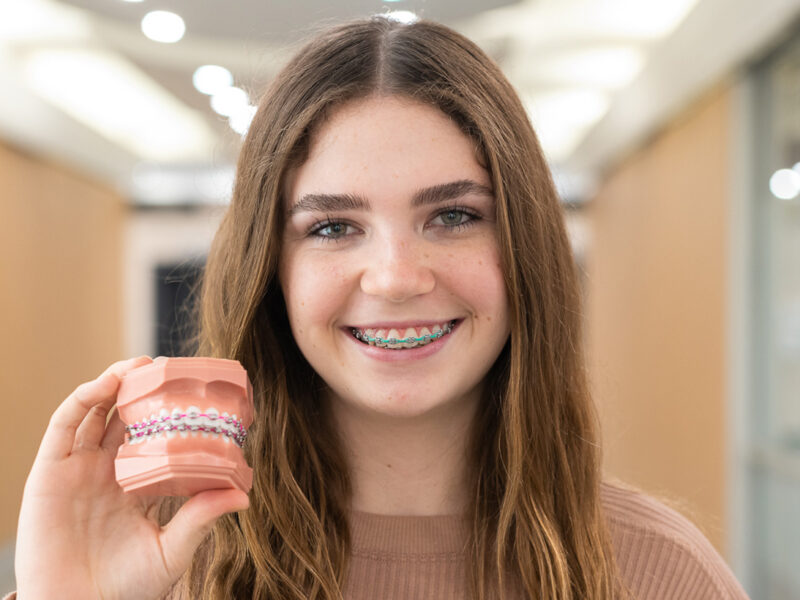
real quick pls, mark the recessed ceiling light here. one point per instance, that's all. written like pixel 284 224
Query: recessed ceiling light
pixel 240 120
pixel 785 184
pixel 211 79
pixel 402 16
pixel 133 1
pixel 34 21
pixel 229 100
pixel 562 117
pixel 608 67
pixel 112 97
pixel 163 26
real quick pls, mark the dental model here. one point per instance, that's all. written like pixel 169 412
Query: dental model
pixel 186 422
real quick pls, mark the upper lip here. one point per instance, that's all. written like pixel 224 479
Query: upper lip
pixel 402 324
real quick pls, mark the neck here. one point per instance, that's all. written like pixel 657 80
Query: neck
pixel 413 466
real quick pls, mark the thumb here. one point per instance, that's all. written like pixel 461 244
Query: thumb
pixel 193 522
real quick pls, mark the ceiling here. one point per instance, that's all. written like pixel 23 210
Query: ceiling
pixel 598 76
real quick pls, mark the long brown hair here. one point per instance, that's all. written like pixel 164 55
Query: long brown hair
pixel 537 525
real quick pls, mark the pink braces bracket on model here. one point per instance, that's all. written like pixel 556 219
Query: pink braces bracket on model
pixel 186 422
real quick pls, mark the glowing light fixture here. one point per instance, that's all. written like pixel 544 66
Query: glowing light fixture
pixel 229 100
pixel 114 98
pixel 241 118
pixel 563 117
pixel 211 79
pixel 647 18
pixel 163 26
pixel 607 67
pixel 402 16
pixel 551 22
pixel 785 184
pixel 35 20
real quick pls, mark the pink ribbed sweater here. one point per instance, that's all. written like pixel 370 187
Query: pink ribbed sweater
pixel 660 554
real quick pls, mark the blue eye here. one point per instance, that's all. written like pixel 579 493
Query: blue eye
pixel 330 230
pixel 457 218
pixel 451 219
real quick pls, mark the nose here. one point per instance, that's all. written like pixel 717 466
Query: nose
pixel 397 271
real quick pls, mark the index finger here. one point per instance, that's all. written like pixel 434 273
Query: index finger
pixel 60 434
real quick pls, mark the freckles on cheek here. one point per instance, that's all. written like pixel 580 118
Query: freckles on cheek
pixel 317 295
pixel 478 278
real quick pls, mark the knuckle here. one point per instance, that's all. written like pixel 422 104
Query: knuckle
pixel 83 391
pixel 121 367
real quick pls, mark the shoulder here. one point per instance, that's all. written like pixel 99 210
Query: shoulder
pixel 660 553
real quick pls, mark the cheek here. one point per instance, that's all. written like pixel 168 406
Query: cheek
pixel 313 291
pixel 477 275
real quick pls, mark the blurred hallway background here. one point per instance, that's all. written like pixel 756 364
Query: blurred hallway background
pixel 673 130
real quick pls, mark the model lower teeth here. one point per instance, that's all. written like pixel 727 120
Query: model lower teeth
pixel 397 343
pixel 185 423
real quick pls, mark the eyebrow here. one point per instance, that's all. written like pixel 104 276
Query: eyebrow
pixel 424 197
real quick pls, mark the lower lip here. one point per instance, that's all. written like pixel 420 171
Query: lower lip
pixel 389 355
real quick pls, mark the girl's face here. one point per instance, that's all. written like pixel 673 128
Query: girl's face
pixel 390 235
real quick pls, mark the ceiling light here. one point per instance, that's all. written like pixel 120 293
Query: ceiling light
pixel 35 20
pixel 402 16
pixel 561 118
pixel 785 184
pixel 607 67
pixel 648 18
pixel 163 26
pixel 240 120
pixel 542 24
pixel 211 79
pixel 227 101
pixel 114 98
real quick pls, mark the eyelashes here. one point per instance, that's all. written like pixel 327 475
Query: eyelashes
pixel 453 219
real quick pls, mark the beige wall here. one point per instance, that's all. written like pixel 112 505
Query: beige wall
pixel 60 304
pixel 656 312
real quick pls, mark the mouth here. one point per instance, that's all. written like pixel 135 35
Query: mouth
pixel 407 338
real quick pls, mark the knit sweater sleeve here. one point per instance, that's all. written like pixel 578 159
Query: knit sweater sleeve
pixel 661 555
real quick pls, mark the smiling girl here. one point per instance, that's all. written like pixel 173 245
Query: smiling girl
pixel 394 274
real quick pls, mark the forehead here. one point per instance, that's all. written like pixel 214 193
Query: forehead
pixel 383 146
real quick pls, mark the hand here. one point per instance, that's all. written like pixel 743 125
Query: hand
pixel 79 535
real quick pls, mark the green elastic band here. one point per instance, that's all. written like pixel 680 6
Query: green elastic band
pixel 436 335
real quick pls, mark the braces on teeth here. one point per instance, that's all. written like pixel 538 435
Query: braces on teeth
pixel 391 341
pixel 193 420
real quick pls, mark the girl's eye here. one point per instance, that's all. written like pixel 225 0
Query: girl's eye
pixel 450 218
pixel 456 218
pixel 332 230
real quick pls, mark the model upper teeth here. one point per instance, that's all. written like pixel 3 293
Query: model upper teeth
pixel 407 338
pixel 191 421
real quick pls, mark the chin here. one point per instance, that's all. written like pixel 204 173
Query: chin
pixel 400 403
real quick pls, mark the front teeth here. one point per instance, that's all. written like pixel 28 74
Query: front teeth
pixel 394 340
pixel 191 422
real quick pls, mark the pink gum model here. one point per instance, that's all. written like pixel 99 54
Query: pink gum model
pixel 186 420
